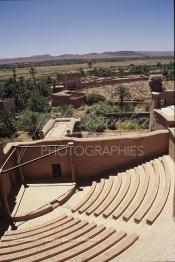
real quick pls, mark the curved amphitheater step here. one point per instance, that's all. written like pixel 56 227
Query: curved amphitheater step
pixel 80 204
pixel 161 166
pixel 150 194
pixel 93 197
pixel 135 176
pixel 71 238
pixel 137 193
pixel 144 182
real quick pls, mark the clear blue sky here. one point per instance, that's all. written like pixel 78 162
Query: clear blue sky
pixel 31 27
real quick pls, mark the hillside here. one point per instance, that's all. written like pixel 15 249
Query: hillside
pixel 104 55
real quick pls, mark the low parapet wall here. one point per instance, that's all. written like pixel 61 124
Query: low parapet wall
pixel 128 115
pixel 107 155
pixel 93 156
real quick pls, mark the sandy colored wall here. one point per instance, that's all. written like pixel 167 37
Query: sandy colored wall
pixel 8 105
pixel 95 156
pixel 172 144
pixel 5 179
pixel 60 100
pixel 78 101
pixel 118 152
pixel 168 96
pixel 9 180
pixel 75 100
pixel 42 169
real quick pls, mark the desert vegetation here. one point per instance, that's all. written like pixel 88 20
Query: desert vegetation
pixel 30 87
pixel 114 67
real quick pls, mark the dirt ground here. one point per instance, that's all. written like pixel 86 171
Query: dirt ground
pixel 138 90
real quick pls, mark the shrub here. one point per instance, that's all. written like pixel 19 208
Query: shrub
pixel 43 88
pixel 122 92
pixel 141 123
pixel 93 123
pixel 128 124
pixel 38 103
pixel 111 123
pixel 126 108
pixel 32 122
pixel 103 107
pixel 7 127
pixel 64 111
pixel 94 98
pixel 155 83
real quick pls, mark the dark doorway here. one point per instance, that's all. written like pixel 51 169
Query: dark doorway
pixel 56 170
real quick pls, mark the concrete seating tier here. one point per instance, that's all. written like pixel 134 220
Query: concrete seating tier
pixel 75 208
pixel 67 238
pixel 144 182
pixel 137 193
pixel 130 195
pixel 93 197
pixel 164 172
pixel 112 194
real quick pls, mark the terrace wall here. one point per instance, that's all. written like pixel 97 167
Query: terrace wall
pixel 94 156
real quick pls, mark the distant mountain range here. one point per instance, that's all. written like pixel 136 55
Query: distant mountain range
pixel 90 56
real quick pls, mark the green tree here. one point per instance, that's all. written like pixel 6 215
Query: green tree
pixel 103 107
pixel 33 74
pixel 14 74
pixel 94 98
pixel 21 94
pixel 122 92
pixel 38 103
pixel 43 88
pixel 32 122
pixel 7 89
pixel 63 111
pixel 90 66
pixel 7 127
pixel 93 123
pixel 82 72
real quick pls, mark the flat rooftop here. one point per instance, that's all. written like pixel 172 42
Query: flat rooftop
pixel 59 127
pixel 168 113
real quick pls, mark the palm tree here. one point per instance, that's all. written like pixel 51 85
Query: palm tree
pixel 33 73
pixel 122 92
pixel 14 74
pixel 90 66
